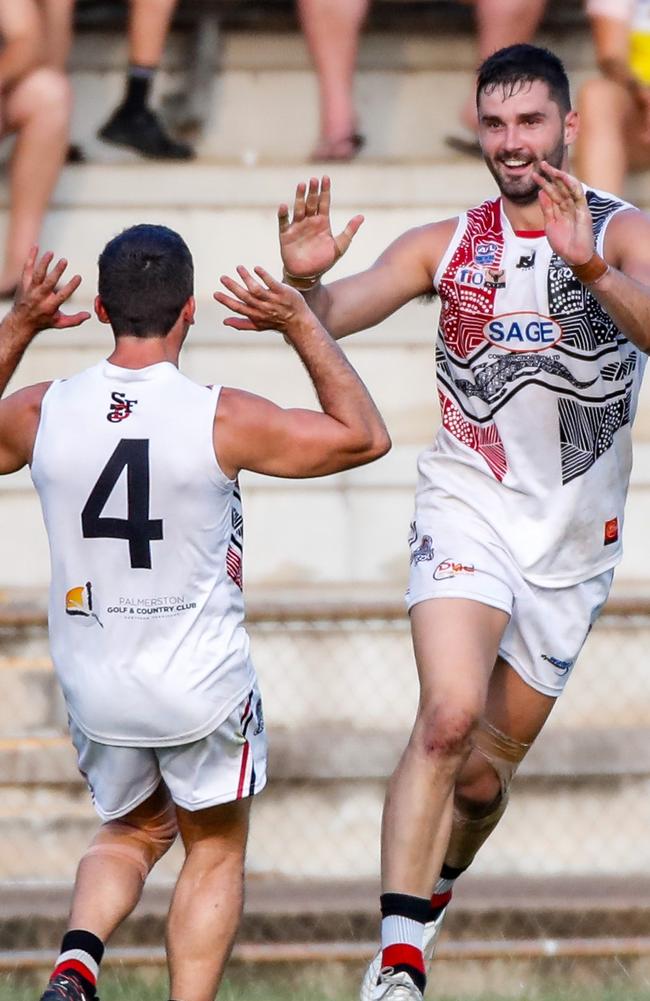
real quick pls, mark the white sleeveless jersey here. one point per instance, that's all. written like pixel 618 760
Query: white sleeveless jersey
pixel 538 389
pixel 146 533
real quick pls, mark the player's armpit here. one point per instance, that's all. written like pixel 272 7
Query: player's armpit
pixel 253 433
pixel 19 418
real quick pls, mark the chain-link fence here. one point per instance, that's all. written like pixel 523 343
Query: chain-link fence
pixel 569 860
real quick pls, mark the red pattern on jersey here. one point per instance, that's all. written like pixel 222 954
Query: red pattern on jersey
pixel 484 440
pixel 234 567
pixel 466 309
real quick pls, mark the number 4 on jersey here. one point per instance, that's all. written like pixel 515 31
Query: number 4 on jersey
pixel 137 528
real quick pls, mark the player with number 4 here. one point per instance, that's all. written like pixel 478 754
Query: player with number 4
pixel 136 468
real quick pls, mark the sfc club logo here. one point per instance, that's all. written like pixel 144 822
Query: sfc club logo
pixel 79 602
pixel 120 408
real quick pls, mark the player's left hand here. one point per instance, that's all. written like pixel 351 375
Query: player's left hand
pixel 38 300
pixel 567 220
pixel 262 303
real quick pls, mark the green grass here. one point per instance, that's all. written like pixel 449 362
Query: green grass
pixel 335 983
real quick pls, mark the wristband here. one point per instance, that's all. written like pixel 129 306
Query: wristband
pixel 591 272
pixel 301 282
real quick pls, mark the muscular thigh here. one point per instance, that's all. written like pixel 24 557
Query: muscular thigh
pixel 456 641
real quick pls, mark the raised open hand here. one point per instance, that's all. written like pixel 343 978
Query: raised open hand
pixel 307 244
pixel 38 299
pixel 262 305
pixel 567 220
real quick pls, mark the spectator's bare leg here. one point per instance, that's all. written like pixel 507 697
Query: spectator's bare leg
pixel 58 18
pixel 149 22
pixel 208 898
pixel 38 111
pixel 500 23
pixel 331 29
pixel 133 124
pixel 611 139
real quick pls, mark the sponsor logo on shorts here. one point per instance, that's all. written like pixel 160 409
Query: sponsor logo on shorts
pixel 259 717
pixel 424 552
pixel 486 252
pixel 451 568
pixel 561 666
pixel 611 531
pixel 523 331
pixel 120 408
pixel 79 603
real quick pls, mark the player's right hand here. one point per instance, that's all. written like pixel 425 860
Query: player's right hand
pixel 38 300
pixel 307 244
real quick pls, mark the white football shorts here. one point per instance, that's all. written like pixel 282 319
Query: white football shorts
pixel 228 764
pixel 547 626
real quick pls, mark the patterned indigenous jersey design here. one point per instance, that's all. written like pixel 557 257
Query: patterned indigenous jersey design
pixel 146 541
pixel 538 389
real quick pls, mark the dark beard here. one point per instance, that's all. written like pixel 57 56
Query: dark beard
pixel 526 195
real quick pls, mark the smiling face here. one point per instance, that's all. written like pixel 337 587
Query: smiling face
pixel 520 125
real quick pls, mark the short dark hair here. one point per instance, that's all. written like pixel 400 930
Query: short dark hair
pixel 146 275
pixel 516 65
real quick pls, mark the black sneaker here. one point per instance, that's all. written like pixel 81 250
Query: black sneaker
pixel 65 988
pixel 144 132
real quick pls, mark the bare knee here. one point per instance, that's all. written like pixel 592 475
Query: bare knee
pixel 478 789
pixel 137 840
pixel 443 733
pixel 44 94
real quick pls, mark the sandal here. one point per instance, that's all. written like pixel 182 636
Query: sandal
pixel 338 150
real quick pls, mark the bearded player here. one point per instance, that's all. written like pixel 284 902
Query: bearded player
pixel 542 341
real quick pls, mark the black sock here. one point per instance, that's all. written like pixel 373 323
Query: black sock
pixel 80 956
pixel 138 88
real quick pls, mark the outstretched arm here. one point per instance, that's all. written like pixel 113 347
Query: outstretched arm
pixel 621 282
pixel 253 433
pixel 37 306
pixel 309 249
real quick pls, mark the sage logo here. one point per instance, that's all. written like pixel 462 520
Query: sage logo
pixel 524 331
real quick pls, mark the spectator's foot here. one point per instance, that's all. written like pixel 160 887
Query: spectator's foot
pixel 143 132
pixel 339 150
pixel 465 142
pixel 75 154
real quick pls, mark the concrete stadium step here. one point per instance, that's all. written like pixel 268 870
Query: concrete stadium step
pixel 329 760
pixel 281 911
pixel 310 829
pixel 308 533
pixel 409 86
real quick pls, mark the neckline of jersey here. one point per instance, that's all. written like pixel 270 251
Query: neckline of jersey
pixel 136 374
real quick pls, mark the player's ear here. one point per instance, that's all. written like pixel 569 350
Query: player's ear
pixel 100 311
pixel 189 311
pixel 571 126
